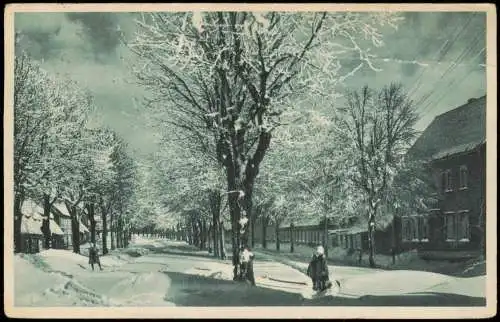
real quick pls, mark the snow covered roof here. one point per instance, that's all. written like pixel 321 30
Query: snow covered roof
pixel 31 209
pixel 61 208
pixel 452 132
pixel 83 228
pixel 302 221
pixel 457 149
pixel 33 219
pixel 31 226
pixel 55 229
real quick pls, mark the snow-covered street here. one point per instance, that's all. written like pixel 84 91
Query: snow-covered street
pixel 172 273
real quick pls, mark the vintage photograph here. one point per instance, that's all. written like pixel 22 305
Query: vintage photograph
pixel 249 158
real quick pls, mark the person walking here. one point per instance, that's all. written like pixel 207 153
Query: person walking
pixel 323 278
pixel 311 271
pixel 246 265
pixel 94 256
pixel 318 270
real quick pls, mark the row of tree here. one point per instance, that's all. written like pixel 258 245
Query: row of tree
pixel 248 110
pixel 59 156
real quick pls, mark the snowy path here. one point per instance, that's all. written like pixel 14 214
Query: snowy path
pixel 175 274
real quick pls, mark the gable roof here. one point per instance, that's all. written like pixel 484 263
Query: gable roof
pixel 456 131
pixel 61 209
pixel 33 217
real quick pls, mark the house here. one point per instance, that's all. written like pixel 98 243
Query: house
pixel 454 145
pixel 31 228
pixel 306 231
pixel 31 224
pixel 62 216
pixel 355 237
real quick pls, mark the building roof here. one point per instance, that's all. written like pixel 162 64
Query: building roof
pixel 55 229
pixel 33 219
pixel 31 209
pixel 83 228
pixel 31 226
pixel 302 221
pixel 61 208
pixel 456 131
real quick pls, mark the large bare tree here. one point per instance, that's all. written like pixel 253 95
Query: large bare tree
pixel 378 128
pixel 226 77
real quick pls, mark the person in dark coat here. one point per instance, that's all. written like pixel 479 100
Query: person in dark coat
pixel 318 270
pixel 311 271
pixel 94 256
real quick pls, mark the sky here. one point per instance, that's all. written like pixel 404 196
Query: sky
pixel 439 57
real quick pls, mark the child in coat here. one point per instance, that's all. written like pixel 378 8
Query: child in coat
pixel 318 270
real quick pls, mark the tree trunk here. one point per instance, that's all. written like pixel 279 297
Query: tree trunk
pixel 210 240
pixel 75 229
pixel 215 236
pixel 215 208
pixel 234 210
pixel 91 212
pixel 203 228
pixel 46 221
pixel 394 240
pixel 265 222
pixel 277 236
pixel 118 233
pixel 253 229
pixel 325 236
pixel 112 228
pixel 292 238
pixel 371 239
pixel 104 218
pixel 18 217
pixel 222 241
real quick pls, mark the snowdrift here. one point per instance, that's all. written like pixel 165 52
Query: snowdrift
pixel 71 263
pixel 397 282
pixel 141 289
pixel 33 286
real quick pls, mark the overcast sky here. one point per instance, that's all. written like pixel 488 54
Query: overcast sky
pixel 439 57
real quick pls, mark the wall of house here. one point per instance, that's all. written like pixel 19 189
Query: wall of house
pixel 448 225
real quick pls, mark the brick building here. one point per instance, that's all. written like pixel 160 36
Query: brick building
pixel 455 146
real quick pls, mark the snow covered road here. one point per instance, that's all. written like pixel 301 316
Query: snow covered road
pixel 175 274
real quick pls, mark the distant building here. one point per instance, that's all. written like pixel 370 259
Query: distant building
pixel 31 228
pixel 455 146
pixel 63 217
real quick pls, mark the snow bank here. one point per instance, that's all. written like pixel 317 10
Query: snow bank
pixel 36 287
pixel 66 261
pixel 215 270
pixel 141 289
pixel 144 241
pixel 393 283
pixel 468 286
pixel 31 282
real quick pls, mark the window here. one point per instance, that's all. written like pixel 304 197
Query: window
pixel 357 243
pixel 450 224
pixel 463 177
pixel 458 226
pixel 463 226
pixel 415 228
pixel 446 182
pixel 423 225
pixel 406 228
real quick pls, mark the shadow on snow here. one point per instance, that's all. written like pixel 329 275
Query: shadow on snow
pixel 195 290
